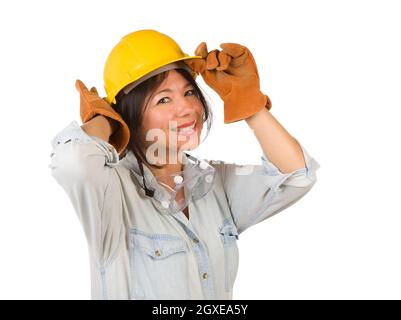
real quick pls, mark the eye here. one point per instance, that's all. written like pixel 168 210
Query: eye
pixel 163 100
pixel 191 92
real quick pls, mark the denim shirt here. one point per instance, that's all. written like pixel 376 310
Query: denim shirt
pixel 139 251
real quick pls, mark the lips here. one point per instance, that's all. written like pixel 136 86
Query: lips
pixel 188 124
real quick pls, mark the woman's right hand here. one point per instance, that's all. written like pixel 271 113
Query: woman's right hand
pixel 92 105
pixel 101 127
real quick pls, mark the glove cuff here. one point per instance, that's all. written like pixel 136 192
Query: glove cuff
pixel 240 109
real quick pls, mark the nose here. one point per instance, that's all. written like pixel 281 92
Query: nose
pixel 185 108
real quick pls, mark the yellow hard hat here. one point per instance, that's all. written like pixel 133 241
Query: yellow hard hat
pixel 138 55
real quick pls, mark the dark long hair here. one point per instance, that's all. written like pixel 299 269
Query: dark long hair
pixel 131 107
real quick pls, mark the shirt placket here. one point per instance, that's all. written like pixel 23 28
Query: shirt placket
pixel 204 267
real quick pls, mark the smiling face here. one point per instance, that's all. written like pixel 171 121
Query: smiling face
pixel 170 106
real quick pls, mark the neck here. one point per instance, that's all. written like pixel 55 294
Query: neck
pixel 168 168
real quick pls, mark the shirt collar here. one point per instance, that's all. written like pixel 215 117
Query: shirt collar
pixel 197 179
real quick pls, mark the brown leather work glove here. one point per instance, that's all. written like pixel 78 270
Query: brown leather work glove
pixel 91 105
pixel 233 74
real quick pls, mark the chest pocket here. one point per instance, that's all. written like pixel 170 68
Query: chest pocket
pixel 158 264
pixel 229 235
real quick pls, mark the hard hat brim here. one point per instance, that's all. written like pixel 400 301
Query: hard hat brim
pixel 178 64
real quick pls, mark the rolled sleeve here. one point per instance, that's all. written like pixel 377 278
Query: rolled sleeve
pixel 257 192
pixel 82 165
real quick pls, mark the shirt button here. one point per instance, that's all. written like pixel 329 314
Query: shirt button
pixel 203 165
pixel 204 275
pixel 209 178
pixel 158 253
pixel 165 204
pixel 178 179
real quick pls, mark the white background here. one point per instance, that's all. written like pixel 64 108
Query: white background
pixel 333 72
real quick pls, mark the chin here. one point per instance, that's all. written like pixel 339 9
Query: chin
pixel 188 146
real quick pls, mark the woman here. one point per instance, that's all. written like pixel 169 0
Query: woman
pixel 160 223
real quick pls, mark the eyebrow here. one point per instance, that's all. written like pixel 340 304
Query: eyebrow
pixel 169 90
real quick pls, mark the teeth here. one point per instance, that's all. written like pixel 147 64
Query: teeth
pixel 187 129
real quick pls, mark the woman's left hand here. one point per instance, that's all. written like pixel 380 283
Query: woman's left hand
pixel 233 74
